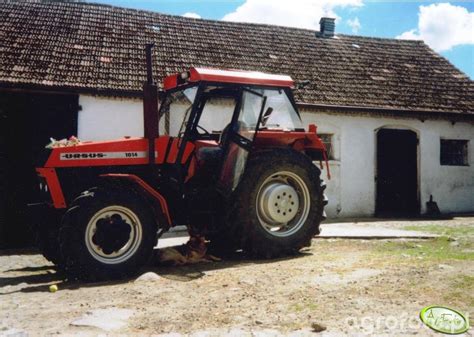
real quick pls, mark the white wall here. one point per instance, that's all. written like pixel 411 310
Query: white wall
pixel 451 186
pixel 104 118
pixel 352 187
pixel 215 116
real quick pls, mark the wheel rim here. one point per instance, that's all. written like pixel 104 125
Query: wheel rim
pixel 283 203
pixel 113 234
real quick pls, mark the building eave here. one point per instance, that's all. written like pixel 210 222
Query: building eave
pixel 64 89
pixel 422 115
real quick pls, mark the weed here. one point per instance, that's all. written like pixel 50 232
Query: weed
pixel 437 249
pixel 451 231
pixel 462 288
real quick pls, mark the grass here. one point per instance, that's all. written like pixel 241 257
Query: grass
pixel 454 243
pixel 438 249
pixel 457 231
pixel 299 307
pixel 462 288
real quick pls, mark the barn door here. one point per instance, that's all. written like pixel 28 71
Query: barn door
pixel 29 119
pixel 3 177
pixel 397 173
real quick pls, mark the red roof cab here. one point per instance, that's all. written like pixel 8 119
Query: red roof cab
pixel 227 76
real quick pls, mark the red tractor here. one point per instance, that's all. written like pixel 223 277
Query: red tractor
pixel 251 185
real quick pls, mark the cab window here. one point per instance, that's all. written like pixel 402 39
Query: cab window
pixel 278 112
pixel 216 115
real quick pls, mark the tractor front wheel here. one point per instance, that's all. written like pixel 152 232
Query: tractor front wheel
pixel 47 242
pixel 106 234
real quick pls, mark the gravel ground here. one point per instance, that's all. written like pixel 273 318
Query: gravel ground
pixel 342 287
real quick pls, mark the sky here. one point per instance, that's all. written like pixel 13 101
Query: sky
pixel 446 26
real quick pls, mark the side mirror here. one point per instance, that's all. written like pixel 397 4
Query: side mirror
pixel 266 115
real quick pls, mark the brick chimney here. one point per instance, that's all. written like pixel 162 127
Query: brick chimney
pixel 327 27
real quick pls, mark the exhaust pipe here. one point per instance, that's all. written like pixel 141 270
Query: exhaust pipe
pixel 150 105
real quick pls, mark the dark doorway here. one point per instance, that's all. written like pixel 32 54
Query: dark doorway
pixel 27 120
pixel 397 181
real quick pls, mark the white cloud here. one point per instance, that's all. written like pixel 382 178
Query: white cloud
pixel 295 13
pixel 409 35
pixel 443 26
pixel 354 24
pixel 191 15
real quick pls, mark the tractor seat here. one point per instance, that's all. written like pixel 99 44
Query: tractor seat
pixel 209 158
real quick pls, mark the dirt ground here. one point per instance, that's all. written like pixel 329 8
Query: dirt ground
pixel 348 287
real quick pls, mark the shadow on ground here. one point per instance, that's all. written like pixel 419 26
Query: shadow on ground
pixel 39 278
pixel 21 251
pixel 193 271
pixel 30 277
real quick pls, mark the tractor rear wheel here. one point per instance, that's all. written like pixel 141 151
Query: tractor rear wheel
pixel 106 234
pixel 280 203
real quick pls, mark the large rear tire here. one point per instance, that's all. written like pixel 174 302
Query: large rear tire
pixel 279 203
pixel 106 234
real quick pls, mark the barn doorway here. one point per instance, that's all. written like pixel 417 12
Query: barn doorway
pixel 397 173
pixel 27 121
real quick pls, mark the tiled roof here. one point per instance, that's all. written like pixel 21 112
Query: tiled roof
pixel 98 47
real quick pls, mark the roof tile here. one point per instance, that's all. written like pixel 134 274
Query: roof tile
pixel 84 46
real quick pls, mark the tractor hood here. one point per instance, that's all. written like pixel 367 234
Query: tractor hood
pixel 128 151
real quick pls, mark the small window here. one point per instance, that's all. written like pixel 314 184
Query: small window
pixel 326 138
pixel 454 152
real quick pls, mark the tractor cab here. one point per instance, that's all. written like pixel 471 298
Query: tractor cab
pixel 227 114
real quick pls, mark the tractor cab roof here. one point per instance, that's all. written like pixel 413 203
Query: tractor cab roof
pixel 195 75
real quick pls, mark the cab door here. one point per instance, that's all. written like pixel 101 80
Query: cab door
pixel 240 138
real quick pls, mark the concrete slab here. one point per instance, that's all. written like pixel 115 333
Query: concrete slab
pixel 367 231
pixel 171 239
pixel 106 319
pixel 328 231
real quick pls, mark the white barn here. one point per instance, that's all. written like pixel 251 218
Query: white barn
pixel 398 118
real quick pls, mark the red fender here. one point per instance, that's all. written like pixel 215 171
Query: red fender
pixel 154 194
pixel 54 186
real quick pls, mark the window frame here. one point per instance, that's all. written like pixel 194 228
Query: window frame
pixel 330 152
pixel 449 158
